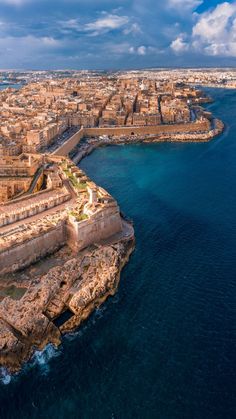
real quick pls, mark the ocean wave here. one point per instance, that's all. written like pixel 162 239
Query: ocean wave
pixel 42 358
pixel 5 377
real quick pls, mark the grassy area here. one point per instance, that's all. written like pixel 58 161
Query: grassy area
pixel 78 217
pixel 82 185
pixel 74 181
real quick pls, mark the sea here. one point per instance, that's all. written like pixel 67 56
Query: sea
pixel 10 85
pixel 164 347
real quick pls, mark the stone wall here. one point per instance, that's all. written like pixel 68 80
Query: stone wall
pixel 101 226
pixel 69 144
pixel 192 127
pixel 20 209
pixel 24 254
pixel 10 187
pixel 77 235
pixel 198 126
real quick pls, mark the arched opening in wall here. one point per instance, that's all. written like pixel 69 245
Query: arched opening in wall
pixel 132 133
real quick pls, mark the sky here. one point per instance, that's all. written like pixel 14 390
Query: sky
pixel 116 34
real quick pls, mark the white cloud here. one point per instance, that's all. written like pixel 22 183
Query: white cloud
pixel 183 5
pixel 142 50
pixel 179 45
pixel 49 41
pixel 14 2
pixel 70 24
pixel 145 50
pixel 125 48
pixel 118 49
pixel 133 29
pixel 217 26
pixel 26 50
pixel 214 33
pixel 106 23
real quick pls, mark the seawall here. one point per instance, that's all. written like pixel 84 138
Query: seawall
pixel 192 127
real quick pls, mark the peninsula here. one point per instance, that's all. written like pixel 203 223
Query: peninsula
pixel 63 239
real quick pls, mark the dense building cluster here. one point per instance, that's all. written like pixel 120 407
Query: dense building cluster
pixel 40 112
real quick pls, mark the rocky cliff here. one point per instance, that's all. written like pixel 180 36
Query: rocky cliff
pixel 76 288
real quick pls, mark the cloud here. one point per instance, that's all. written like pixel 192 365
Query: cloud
pixel 128 49
pixel 133 29
pixel 142 50
pixel 183 5
pixel 102 25
pixel 126 32
pixel 215 31
pixel 213 34
pixel 179 45
pixel 14 2
pixel 106 23
pixel 27 50
pixel 70 24
pixel 145 50
pixel 119 48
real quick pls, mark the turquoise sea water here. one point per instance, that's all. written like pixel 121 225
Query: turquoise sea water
pixel 165 346
pixel 13 86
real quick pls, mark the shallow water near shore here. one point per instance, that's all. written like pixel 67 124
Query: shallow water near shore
pixel 165 346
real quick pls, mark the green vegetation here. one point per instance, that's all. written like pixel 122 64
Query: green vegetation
pixel 78 217
pixel 82 217
pixel 74 181
pixel 82 185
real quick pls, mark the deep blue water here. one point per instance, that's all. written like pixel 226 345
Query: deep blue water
pixel 165 346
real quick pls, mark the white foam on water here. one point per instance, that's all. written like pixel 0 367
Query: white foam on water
pixel 73 335
pixel 5 377
pixel 42 358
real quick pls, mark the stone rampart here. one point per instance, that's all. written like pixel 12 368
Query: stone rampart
pixel 24 254
pixel 13 212
pixel 65 148
pixel 100 226
pixel 192 127
pixel 199 126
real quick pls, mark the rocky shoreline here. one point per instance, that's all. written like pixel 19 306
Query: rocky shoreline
pixel 90 145
pixel 60 300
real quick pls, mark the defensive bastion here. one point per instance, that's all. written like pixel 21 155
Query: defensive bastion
pixel 70 210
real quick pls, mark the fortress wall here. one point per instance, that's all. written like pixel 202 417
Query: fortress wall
pixel 49 201
pixel 23 255
pixel 24 198
pixel 9 187
pixel 69 144
pixel 77 235
pixel 100 227
pixel 192 127
pixel 147 130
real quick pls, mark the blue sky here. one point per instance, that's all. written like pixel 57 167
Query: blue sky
pixel 113 34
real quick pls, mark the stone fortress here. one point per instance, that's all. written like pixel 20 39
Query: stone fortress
pixel 63 240
pixel 69 208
